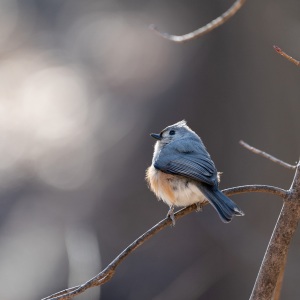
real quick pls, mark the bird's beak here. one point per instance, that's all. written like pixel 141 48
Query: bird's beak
pixel 156 136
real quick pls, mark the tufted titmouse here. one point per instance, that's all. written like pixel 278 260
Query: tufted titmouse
pixel 182 173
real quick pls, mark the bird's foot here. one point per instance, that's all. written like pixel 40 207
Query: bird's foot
pixel 199 206
pixel 170 215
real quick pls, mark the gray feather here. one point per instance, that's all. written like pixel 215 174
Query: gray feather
pixel 225 207
pixel 189 159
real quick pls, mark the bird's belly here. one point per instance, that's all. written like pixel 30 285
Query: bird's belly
pixel 173 189
pixel 187 193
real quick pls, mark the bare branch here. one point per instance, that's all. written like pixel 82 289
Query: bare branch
pixel 274 260
pixel 63 292
pixel 203 30
pixel 109 271
pixel 256 188
pixel 268 156
pixel 290 58
pixel 277 291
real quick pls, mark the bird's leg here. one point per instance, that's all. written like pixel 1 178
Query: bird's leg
pixel 170 214
pixel 199 206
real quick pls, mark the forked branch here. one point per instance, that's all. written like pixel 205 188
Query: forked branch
pixel 273 264
pixel 203 30
pixel 109 271
pixel 269 279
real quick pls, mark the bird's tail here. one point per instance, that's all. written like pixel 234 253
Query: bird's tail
pixel 225 207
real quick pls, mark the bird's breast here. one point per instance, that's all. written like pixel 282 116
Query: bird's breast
pixel 159 183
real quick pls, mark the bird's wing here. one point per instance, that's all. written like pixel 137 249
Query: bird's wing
pixel 196 165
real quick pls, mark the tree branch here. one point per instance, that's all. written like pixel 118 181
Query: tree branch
pixel 270 277
pixel 275 257
pixel 109 271
pixel 203 30
pixel 277 290
pixel 290 58
pixel 268 156
pixel 268 283
pixel 256 188
pixel 276 253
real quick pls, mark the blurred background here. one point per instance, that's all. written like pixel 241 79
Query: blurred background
pixel 82 84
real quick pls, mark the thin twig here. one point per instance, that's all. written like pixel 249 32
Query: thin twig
pixel 109 271
pixel 268 156
pixel 63 292
pixel 203 30
pixel 290 58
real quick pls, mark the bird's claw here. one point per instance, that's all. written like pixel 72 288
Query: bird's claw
pixel 170 215
pixel 199 206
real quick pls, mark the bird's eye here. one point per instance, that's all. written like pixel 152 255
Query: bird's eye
pixel 172 132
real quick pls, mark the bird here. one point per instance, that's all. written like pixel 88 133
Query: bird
pixel 182 173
